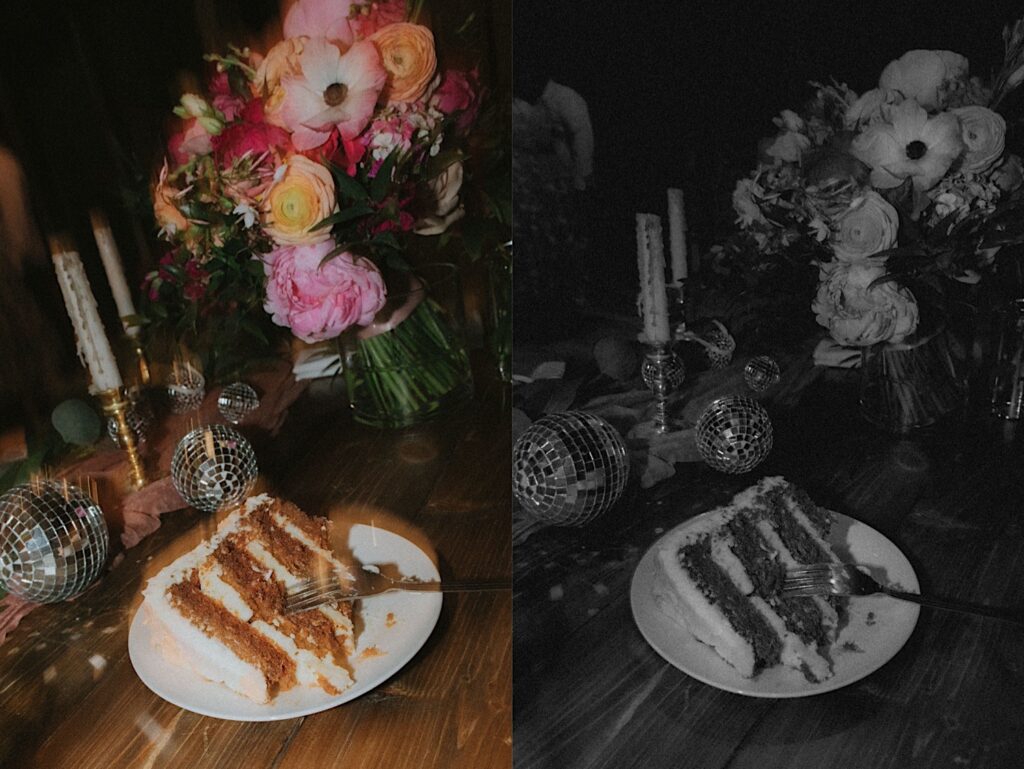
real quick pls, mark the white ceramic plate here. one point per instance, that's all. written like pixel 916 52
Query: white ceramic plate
pixel 397 639
pixel 878 626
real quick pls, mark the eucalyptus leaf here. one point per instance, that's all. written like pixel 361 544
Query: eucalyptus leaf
pixel 77 423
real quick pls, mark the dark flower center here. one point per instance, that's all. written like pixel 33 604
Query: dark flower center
pixel 335 94
pixel 915 150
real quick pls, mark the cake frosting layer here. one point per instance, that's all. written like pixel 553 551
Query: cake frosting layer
pixel 219 608
pixel 721 577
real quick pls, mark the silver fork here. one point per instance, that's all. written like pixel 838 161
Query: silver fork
pixel 848 579
pixel 328 588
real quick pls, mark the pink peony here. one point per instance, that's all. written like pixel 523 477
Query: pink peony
pixel 319 18
pixel 317 301
pixel 458 92
pixel 251 134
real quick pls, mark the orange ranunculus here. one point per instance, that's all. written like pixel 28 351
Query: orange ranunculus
pixel 283 59
pixel 167 215
pixel 407 52
pixel 303 196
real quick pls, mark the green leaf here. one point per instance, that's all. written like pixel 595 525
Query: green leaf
pixel 345 215
pixel 347 186
pixel 381 183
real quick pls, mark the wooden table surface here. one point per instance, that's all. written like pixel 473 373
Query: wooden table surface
pixel 69 696
pixel 590 692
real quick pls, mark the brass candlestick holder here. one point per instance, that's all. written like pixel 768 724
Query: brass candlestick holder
pixel 141 360
pixel 662 372
pixel 115 405
pixel 677 308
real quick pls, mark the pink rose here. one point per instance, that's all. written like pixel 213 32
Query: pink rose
pixel 191 141
pixel 368 16
pixel 459 92
pixel 224 99
pixel 317 301
pixel 249 134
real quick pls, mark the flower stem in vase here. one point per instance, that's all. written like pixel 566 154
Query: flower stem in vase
pixel 909 385
pixel 412 372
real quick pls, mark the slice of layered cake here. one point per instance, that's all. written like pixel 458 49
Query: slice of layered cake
pixel 721 576
pixel 218 609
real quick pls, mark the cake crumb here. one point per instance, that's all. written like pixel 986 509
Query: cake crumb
pixel 109 630
pixel 870 619
pixel 370 652
pixel 389 620
pixel 850 646
pixel 591 612
pixel 49 674
pixel 601 589
pixel 556 593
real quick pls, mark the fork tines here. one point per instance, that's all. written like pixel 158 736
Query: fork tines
pixel 807 580
pixel 315 592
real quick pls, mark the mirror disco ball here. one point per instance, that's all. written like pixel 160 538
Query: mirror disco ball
pixel 761 372
pixel 569 468
pixel 186 389
pixel 213 468
pixel 138 420
pixel 53 541
pixel 734 434
pixel 237 401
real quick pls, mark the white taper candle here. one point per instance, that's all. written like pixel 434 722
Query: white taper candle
pixel 93 346
pixel 112 265
pixel 677 234
pixel 651 261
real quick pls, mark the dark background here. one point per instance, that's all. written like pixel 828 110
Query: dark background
pixel 681 92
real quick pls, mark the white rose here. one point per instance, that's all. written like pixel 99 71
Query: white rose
pixel 920 75
pixel 984 133
pixel 869 226
pixel 747 210
pixel 859 314
pixel 445 188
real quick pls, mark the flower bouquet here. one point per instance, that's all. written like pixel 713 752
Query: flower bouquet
pixel 292 192
pixel 899 199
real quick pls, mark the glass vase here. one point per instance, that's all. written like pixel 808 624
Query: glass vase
pixel 1007 378
pixel 411 364
pixel 499 299
pixel 912 384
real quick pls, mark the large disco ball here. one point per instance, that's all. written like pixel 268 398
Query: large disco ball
pixel 53 541
pixel 214 468
pixel 734 434
pixel 568 468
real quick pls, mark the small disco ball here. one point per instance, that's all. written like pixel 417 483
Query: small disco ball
pixel 761 373
pixel 237 401
pixel 722 346
pixel 53 541
pixel 569 468
pixel 138 422
pixel 668 371
pixel 213 468
pixel 186 389
pixel 734 434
